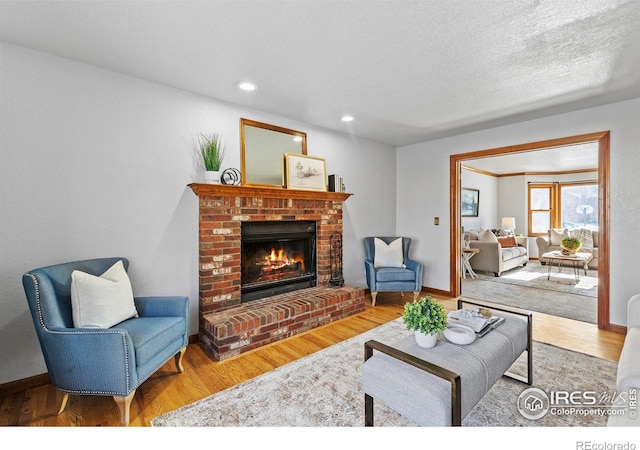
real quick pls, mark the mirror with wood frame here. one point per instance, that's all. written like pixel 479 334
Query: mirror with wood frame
pixel 262 149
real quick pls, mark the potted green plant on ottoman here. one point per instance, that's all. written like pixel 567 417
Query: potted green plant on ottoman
pixel 427 318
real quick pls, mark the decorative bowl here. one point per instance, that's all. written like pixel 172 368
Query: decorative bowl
pixel 459 334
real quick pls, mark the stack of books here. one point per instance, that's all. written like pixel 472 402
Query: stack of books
pixel 336 183
pixel 480 321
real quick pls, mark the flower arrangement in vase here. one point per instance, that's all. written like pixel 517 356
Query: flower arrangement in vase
pixel 427 318
pixel 570 245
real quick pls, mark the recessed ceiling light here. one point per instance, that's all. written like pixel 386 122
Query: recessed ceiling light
pixel 346 118
pixel 297 139
pixel 247 86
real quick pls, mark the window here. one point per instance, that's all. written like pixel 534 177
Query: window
pixel 542 208
pixel 562 205
pixel 579 207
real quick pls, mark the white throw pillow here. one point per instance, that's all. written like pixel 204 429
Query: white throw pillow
pixel 487 236
pixel 586 238
pixel 388 255
pixel 556 236
pixel 104 301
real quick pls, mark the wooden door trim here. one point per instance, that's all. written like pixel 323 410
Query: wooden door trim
pixel 603 140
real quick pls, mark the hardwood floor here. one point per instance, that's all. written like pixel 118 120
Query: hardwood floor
pixel 168 390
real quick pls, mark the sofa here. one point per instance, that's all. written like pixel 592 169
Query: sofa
pixel 551 242
pixel 628 376
pixel 497 254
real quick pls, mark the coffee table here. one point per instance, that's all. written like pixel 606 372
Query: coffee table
pixel 577 259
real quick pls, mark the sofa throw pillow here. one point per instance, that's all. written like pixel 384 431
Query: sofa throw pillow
pixel 388 255
pixel 556 236
pixel 586 237
pixel 507 241
pixel 104 301
pixel 487 236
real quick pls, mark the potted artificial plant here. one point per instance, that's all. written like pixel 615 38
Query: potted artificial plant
pixel 211 150
pixel 570 245
pixel 427 318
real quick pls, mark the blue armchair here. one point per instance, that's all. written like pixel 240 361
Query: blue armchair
pixel 102 361
pixel 391 279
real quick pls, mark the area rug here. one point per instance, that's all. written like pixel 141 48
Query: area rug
pixel 511 289
pixel 535 275
pixel 324 390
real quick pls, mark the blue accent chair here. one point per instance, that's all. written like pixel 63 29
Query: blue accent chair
pixel 102 361
pixel 391 279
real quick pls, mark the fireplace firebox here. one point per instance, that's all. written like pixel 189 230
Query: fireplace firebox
pixel 277 257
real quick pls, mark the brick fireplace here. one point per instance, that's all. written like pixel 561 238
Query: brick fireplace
pixel 227 325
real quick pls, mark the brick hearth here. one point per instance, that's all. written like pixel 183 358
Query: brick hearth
pixel 259 322
pixel 228 327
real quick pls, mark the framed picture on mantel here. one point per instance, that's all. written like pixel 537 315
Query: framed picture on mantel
pixel 304 172
pixel 470 200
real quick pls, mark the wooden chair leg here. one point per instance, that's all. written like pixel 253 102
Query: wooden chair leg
pixel 373 298
pixel 415 295
pixel 124 406
pixel 179 357
pixel 65 399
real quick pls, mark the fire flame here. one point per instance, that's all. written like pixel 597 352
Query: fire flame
pixel 278 259
pixel 281 257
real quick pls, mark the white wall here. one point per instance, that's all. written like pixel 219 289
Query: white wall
pixel 425 177
pixel 94 163
pixel 512 202
pixel 487 200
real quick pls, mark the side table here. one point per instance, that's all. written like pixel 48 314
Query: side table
pixel 467 254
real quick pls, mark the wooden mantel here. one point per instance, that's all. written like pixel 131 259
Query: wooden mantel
pixel 204 189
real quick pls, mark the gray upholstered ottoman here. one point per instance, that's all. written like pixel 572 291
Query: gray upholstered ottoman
pixel 440 385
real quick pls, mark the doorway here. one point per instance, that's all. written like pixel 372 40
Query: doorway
pixel 602 139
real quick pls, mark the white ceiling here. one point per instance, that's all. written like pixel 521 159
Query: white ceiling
pixel 557 159
pixel 409 71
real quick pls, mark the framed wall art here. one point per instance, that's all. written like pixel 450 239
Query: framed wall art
pixel 470 200
pixel 304 172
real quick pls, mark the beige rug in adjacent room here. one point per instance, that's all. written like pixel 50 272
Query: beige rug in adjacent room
pixel 528 288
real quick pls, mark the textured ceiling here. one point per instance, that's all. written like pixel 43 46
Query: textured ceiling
pixel 557 159
pixel 409 71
